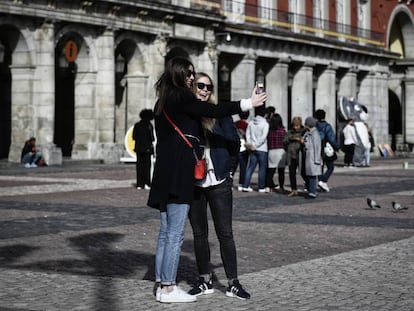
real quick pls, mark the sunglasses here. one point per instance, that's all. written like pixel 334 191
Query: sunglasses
pixel 201 86
pixel 190 73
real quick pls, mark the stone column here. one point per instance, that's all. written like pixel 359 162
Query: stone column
pixel 86 129
pixel 277 88
pixel 325 97
pixel 302 104
pixel 348 84
pixel 22 110
pixel 105 89
pixel 409 105
pixel 243 78
pixel 44 94
pixel 374 95
pixel 105 100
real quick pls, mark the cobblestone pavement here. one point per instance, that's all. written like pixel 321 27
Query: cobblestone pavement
pixel 79 237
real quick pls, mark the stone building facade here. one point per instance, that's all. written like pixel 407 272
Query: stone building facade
pixel 75 73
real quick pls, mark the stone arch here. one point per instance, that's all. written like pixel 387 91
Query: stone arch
pixel 132 85
pixel 177 52
pixel 16 75
pixel 78 90
pixel 400 32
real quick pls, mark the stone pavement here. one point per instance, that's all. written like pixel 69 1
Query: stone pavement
pixel 79 237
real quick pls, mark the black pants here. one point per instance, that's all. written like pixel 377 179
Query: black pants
pixel 220 199
pixel 294 163
pixel 270 173
pixel 143 167
pixel 349 154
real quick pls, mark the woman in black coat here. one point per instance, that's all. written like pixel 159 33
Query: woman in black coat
pixel 172 189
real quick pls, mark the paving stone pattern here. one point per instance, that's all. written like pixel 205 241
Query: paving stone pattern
pixel 80 237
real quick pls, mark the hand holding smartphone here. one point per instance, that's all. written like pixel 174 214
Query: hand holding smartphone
pixel 259 87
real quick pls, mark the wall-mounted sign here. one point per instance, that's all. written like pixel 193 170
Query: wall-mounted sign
pixel 71 51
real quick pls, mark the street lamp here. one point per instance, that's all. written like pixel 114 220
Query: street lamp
pixel 226 34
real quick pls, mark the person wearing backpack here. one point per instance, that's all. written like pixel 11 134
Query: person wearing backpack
pixel 327 136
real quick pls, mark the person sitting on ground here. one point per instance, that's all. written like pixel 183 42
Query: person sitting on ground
pixel 31 156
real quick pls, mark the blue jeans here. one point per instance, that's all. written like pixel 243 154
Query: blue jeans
pixel 243 159
pixel 31 157
pixel 170 240
pixel 329 170
pixel 254 158
pixel 312 185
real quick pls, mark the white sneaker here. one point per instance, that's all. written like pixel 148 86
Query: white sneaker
pixel 263 190
pixel 176 295
pixel 248 189
pixel 239 188
pixel 146 187
pixel 323 186
pixel 158 294
pixel 27 165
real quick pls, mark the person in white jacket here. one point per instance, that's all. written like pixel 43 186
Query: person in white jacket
pixel 256 143
pixel 350 140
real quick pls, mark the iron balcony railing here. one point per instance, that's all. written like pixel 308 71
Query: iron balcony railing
pixel 240 12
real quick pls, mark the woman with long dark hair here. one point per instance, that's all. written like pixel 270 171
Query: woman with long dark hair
pixel 172 189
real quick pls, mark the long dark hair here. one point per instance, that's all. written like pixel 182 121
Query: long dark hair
pixel 275 122
pixel 173 78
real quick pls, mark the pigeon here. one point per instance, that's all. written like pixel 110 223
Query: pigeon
pixel 372 204
pixel 397 207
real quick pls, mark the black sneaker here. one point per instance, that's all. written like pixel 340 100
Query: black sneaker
pixel 202 287
pixel 237 291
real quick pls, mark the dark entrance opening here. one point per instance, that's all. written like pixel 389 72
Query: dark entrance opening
pixel 65 73
pixel 395 118
pixel 5 97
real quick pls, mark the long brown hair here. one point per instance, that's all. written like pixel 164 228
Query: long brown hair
pixel 172 81
pixel 208 123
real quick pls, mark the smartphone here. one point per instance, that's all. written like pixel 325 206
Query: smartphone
pixel 259 87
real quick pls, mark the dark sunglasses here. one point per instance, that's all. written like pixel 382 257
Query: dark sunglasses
pixel 189 73
pixel 201 86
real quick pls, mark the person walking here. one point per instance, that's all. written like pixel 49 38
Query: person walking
pixel 312 145
pixel 276 153
pixel 222 146
pixel 143 135
pixel 327 135
pixel 256 143
pixel 293 139
pixel 172 188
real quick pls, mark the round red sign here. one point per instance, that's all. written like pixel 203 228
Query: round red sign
pixel 71 51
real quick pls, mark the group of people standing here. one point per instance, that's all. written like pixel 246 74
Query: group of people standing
pixel 269 145
pixel 190 125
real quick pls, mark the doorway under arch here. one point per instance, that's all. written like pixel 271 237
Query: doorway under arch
pixel 5 91
pixel 65 74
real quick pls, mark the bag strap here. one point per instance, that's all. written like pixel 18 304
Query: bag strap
pixel 177 129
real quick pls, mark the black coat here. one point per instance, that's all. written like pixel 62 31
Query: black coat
pixel 173 178
pixel 143 137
